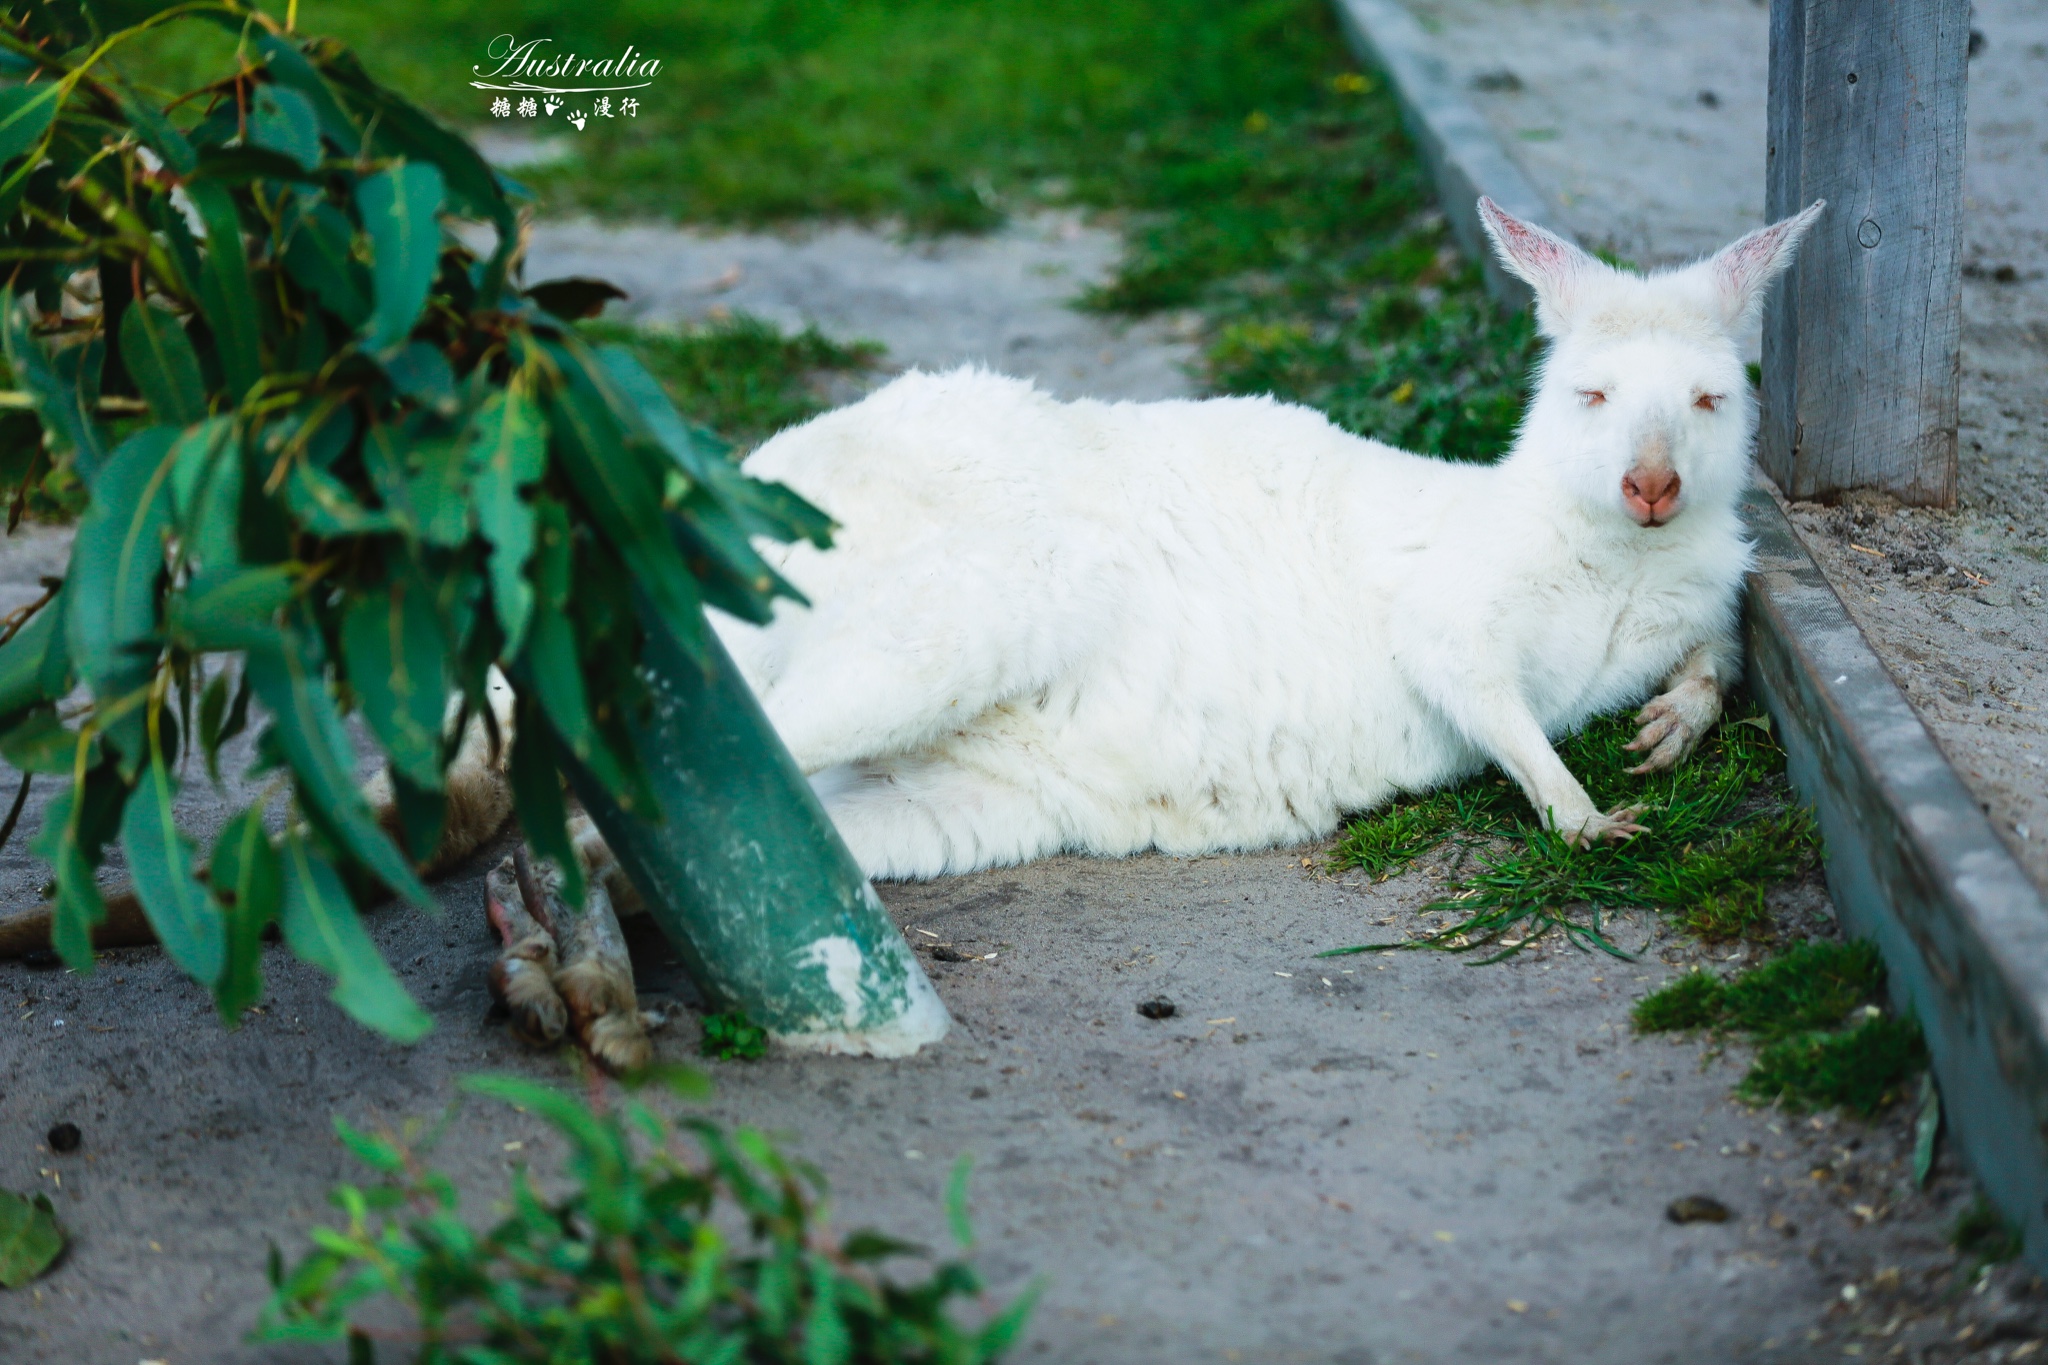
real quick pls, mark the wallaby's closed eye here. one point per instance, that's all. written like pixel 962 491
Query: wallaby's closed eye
pixel 1198 626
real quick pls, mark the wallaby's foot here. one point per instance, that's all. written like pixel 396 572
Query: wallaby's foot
pixel 522 979
pixel 595 979
pixel 1616 826
pixel 1674 723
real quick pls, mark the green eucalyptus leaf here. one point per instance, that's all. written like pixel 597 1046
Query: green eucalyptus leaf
pixel 318 254
pixel 400 209
pixel 116 565
pixel 307 730
pixel 226 296
pixel 284 120
pixel 535 770
pixel 324 505
pixel 35 664
pixel 40 743
pixel 26 112
pixel 322 927
pixel 508 450
pixel 166 368
pixel 289 68
pixel 66 410
pixel 158 133
pixel 398 666
pixel 75 830
pixel 551 660
pixel 623 492
pixel 230 608
pixel 206 493
pixel 30 1240
pixel 181 910
pixel 213 706
pixel 248 880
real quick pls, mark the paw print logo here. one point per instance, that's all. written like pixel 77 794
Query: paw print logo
pixel 551 104
pixel 577 117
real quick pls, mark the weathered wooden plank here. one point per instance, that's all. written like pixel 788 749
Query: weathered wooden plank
pixel 1912 863
pixel 1862 340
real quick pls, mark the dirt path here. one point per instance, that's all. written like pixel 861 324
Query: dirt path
pixel 1388 1158
pixel 1644 122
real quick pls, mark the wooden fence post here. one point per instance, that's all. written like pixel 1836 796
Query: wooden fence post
pixel 1862 341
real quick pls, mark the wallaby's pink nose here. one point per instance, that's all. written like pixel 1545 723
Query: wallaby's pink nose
pixel 1651 494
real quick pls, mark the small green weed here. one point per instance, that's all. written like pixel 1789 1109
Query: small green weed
pixel 1794 1004
pixel 743 377
pixel 675 1241
pixel 732 1037
pixel 1984 1238
pixel 1722 827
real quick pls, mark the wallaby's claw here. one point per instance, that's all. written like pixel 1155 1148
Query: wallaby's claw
pixel 1617 826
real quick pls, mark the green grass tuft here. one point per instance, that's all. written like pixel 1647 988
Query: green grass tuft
pixel 1984 1237
pixel 1722 827
pixel 1862 1069
pixel 732 1037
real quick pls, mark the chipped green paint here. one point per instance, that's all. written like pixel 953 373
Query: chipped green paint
pixel 750 881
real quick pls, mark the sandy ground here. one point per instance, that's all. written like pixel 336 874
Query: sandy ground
pixel 1359 1161
pixel 1644 123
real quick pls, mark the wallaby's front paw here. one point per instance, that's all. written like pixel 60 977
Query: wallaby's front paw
pixel 1617 826
pixel 522 979
pixel 1673 725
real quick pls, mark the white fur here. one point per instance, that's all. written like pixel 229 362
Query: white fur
pixel 1196 626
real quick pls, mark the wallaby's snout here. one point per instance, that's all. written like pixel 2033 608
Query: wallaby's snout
pixel 1649 489
pixel 1650 493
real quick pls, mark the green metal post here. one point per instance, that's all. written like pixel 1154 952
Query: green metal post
pixel 748 878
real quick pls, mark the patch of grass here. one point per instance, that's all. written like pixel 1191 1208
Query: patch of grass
pixel 732 1037
pixel 1794 1004
pixel 1722 827
pixel 1811 985
pixel 1261 178
pixel 742 376
pixel 1861 1069
pixel 1984 1238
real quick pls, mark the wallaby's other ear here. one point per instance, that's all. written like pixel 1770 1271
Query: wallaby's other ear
pixel 1744 268
pixel 1553 267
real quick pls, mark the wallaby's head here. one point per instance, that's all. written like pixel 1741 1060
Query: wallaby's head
pixel 1643 407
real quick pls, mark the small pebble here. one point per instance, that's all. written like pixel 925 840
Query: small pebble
pixel 1697 1208
pixel 65 1137
pixel 1158 1008
pixel 944 954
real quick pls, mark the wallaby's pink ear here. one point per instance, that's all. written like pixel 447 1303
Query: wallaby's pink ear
pixel 1744 268
pixel 1553 267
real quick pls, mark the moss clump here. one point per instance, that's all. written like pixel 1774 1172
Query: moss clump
pixel 1795 1004
pixel 1694 1001
pixel 1984 1238
pixel 1813 985
pixel 1862 1069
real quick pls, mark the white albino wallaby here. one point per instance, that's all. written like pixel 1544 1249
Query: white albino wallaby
pixel 1194 626
pixel 1225 624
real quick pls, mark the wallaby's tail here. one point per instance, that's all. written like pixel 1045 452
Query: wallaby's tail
pixel 125 927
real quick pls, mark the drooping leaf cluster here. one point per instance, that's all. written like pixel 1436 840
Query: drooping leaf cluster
pixel 675 1241
pixel 337 462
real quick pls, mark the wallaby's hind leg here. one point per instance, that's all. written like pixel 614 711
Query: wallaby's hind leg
pixel 522 979
pixel 925 816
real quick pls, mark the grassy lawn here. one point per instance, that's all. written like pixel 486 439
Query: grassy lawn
pixel 1260 176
